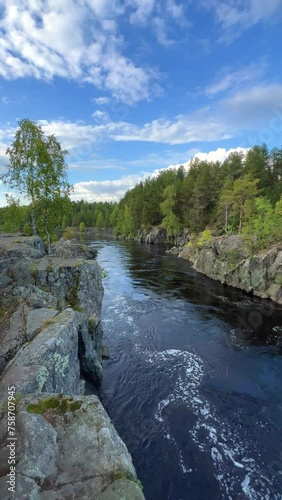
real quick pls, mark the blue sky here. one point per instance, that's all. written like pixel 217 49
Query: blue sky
pixel 131 86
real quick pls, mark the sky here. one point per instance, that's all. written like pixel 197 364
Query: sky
pixel 133 86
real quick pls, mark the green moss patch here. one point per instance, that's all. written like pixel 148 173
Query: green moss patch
pixel 58 403
pixel 120 474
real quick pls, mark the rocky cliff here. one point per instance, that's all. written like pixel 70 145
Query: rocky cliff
pixel 50 341
pixel 226 260
pixel 157 235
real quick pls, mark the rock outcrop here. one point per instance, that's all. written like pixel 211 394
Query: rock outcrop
pixel 51 338
pixel 158 235
pixel 226 260
pixel 67 447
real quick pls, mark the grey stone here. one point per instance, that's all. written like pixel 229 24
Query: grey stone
pixel 50 362
pixel 225 259
pixel 35 297
pixel 67 446
pixel 14 336
pixel 36 447
pixel 71 450
pixel 36 318
pixel 26 489
pixel 73 249
pixel 122 489
pixel 156 236
pixel 90 352
pixel 5 281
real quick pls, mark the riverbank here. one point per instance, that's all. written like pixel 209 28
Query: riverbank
pixel 225 259
pixel 51 340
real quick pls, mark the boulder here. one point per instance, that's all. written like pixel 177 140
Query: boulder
pixel 50 362
pixel 157 235
pixel 68 448
pixel 73 249
pixel 182 239
pixel 174 250
pixel 15 246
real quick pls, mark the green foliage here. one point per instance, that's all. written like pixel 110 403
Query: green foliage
pixel 27 229
pixel 104 273
pixel 206 237
pixel 54 238
pixel 200 241
pixel 37 170
pixel 264 225
pixel 139 484
pixel 240 196
pixel 68 234
pixel 170 221
pixel 82 227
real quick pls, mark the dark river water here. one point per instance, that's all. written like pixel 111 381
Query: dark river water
pixel 193 384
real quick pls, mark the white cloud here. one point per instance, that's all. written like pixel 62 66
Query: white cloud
pixel 101 116
pixel 237 79
pixel 105 190
pixel 5 100
pixel 259 105
pixel 249 111
pixel 160 29
pixel 176 10
pixel 220 154
pixel 101 101
pixel 235 17
pixel 69 39
pixel 142 10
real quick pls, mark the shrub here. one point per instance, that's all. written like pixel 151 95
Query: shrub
pixel 200 241
pixel 68 233
pixel 82 227
pixel 205 238
pixel 104 273
pixel 27 229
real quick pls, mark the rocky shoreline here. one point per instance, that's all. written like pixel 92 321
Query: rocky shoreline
pixel 51 340
pixel 225 259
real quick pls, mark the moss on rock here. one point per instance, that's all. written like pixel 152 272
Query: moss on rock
pixel 59 403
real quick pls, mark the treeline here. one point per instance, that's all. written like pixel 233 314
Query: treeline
pixel 18 218
pixel 241 195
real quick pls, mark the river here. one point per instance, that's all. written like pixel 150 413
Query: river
pixel 193 384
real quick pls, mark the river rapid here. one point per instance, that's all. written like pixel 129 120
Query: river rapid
pixel 193 384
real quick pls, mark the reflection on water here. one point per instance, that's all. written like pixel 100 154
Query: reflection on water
pixel 194 380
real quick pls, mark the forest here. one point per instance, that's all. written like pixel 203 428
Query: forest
pixel 241 195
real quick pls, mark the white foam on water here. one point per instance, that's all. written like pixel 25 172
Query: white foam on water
pixel 229 451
